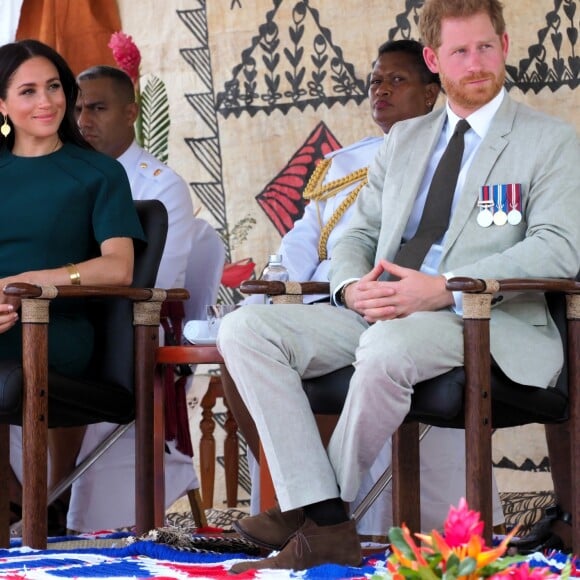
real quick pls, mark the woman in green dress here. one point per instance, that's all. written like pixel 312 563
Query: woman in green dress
pixel 66 213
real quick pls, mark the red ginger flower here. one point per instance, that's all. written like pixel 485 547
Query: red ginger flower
pixel 126 54
pixel 461 524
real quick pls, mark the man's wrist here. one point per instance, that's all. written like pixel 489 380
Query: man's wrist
pixel 342 295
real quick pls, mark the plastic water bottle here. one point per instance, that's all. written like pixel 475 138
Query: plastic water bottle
pixel 274 271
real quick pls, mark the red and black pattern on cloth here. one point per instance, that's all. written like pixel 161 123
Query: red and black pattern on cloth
pixel 282 199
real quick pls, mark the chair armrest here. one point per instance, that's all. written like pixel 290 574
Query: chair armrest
pixel 477 293
pixel 146 309
pixel 458 284
pixel 276 288
pixel 475 285
pixel 23 290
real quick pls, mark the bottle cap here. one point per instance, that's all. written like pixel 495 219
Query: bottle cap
pixel 275 258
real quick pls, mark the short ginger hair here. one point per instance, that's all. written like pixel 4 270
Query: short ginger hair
pixel 434 11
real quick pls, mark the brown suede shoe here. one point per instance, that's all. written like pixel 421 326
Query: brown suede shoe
pixel 270 529
pixel 312 545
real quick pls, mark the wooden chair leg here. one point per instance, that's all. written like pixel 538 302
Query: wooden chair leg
pixel 196 506
pixel 231 457
pixel 149 433
pixel 207 443
pixel 4 485
pixel 478 420
pixel 574 385
pixel 34 425
pixel 406 495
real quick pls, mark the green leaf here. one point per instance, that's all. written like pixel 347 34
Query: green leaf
pixel 155 120
pixel 453 561
pixel 397 539
pixel 466 567
pixel 427 573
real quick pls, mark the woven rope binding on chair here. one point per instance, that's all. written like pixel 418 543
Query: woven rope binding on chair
pixel 478 306
pixel 37 310
pixel 149 313
pixel 573 306
pixel 293 294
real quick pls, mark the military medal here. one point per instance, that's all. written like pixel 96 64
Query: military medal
pixel 500 205
pixel 514 216
pixel 485 203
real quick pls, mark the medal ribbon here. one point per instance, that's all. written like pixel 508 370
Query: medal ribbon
pixel 515 196
pixel 500 197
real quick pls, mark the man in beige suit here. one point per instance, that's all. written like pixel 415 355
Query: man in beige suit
pixel 399 325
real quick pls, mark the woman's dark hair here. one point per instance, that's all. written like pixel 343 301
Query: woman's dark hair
pixel 13 55
pixel 415 49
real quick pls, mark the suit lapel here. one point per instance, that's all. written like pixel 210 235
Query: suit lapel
pixel 418 149
pixel 486 157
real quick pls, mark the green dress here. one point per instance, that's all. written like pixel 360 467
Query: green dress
pixel 54 210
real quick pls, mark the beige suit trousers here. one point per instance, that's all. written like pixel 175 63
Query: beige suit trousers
pixel 267 350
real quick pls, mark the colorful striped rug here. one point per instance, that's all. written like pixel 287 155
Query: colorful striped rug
pixel 120 556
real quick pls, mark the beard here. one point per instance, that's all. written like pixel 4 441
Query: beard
pixel 469 96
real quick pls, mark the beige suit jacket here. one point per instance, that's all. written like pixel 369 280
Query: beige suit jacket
pixel 522 146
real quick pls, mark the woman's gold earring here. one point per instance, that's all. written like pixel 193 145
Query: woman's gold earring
pixel 5 128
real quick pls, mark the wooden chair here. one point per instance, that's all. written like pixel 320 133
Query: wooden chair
pixel 118 387
pixel 477 397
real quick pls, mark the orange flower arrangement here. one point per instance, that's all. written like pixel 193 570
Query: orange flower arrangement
pixel 458 552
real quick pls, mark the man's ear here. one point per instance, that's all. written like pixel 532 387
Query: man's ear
pixel 431 60
pixel 131 112
pixel 505 44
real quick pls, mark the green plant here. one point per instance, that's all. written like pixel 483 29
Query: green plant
pixel 154 119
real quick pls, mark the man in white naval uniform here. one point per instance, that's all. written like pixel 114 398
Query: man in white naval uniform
pixel 307 251
pixel 106 112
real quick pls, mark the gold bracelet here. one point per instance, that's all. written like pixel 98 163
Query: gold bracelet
pixel 74 274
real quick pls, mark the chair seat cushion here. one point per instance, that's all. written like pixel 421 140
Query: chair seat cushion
pixel 440 401
pixel 71 400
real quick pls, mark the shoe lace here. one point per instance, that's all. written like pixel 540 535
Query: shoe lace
pixel 301 544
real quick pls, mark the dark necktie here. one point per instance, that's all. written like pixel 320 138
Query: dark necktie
pixel 435 218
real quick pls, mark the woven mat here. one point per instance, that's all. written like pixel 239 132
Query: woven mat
pixel 525 508
pixel 216 518
pixel 80 543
